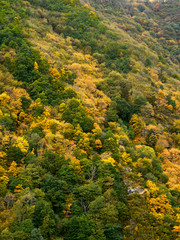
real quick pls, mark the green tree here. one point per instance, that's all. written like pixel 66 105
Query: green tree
pixel 79 228
pixel 157 168
pixel 138 103
pixel 26 226
pixel 76 114
pixel 124 109
pixel 6 235
pixel 53 189
pixel 52 162
pixel 42 209
pixel 87 193
pixel 111 113
pixel 48 227
pixel 36 234
pixel 32 175
pixel 25 103
pixel 145 151
pixel 14 154
pixel 151 138
pixel 113 232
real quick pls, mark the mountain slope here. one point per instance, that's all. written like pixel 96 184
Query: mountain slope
pixel 89 117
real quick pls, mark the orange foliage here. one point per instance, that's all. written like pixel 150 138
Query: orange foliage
pixel 13 169
pixel 18 188
pixel 98 143
pixel 160 206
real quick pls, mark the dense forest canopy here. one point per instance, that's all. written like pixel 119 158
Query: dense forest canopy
pixel 89 120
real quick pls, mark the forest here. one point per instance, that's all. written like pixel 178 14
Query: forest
pixel 89 120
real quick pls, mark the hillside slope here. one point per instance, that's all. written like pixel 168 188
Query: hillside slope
pixel 89 119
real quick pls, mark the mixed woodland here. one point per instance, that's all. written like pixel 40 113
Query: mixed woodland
pixel 89 120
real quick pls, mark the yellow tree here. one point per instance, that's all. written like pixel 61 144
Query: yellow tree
pixel 3 181
pixel 14 169
pixel 153 189
pixel 23 144
pixel 4 99
pixel 85 145
pixel 126 159
pixel 176 228
pixel 3 176
pixel 75 163
pixel 160 206
pixel 3 159
pixel 36 66
pixel 98 143
pixel 54 73
pixel 137 123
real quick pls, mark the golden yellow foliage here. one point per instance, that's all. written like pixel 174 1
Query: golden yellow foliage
pixel 13 169
pixel 51 37
pixel 6 139
pixel 110 160
pixel 153 189
pixel 23 144
pixel 1 113
pixel 85 144
pixel 63 71
pixel 171 167
pixel 18 188
pixel 172 155
pixel 3 158
pixel 176 229
pixel 126 159
pixel 4 99
pixel 54 73
pixel 161 94
pixel 169 107
pixel 68 204
pixel 137 123
pixel 98 143
pixel 62 107
pixel 92 13
pixel 160 206
pixel 36 66
pixel 154 74
pixel 78 133
pixel 75 163
pixel 3 176
pixel 57 142
pixel 97 131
